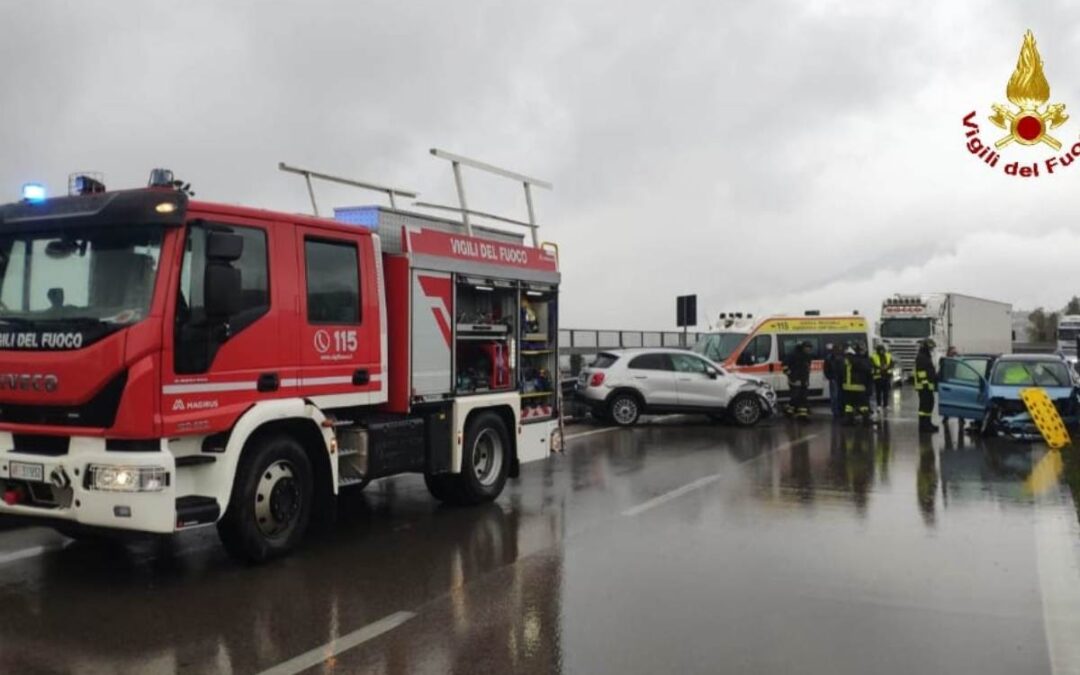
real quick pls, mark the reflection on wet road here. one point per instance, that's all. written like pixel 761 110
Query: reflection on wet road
pixel 678 546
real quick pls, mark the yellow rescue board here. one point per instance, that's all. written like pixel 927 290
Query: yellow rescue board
pixel 1046 417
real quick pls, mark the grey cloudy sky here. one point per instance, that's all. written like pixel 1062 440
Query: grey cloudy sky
pixel 768 156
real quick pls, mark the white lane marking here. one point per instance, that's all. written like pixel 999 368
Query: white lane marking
pixel 16 556
pixel 1056 566
pixel 700 482
pixel 32 552
pixel 339 645
pixel 583 434
pixel 607 429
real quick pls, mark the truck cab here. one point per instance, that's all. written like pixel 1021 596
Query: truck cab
pixel 167 363
pixel 1068 332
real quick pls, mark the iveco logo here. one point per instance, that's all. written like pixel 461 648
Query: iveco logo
pixel 27 382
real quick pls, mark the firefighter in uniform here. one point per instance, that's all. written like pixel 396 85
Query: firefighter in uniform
pixel 925 385
pixel 855 383
pixel 882 363
pixel 797 369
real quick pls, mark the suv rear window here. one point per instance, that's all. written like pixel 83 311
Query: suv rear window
pixel 603 360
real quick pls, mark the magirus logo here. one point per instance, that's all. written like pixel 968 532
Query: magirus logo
pixel 1027 121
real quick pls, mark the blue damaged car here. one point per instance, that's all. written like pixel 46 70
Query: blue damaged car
pixel 987 390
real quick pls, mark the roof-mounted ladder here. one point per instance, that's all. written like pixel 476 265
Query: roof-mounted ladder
pixel 390 192
pixel 458 161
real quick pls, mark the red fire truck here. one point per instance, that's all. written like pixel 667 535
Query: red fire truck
pixel 167 363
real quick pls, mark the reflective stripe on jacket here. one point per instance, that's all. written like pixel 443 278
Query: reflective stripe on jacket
pixel 923 381
pixel 849 381
pixel 881 370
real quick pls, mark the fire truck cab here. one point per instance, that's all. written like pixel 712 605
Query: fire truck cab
pixel 168 363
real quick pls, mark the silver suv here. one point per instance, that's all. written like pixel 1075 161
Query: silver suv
pixel 620 386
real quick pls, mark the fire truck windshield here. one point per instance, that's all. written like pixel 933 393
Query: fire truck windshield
pixel 103 275
pixel 906 328
pixel 718 346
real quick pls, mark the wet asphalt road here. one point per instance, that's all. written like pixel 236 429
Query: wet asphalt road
pixel 676 547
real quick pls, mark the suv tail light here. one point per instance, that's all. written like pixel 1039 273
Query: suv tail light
pixel 596 380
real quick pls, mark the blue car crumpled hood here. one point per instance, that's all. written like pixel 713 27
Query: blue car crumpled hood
pixel 1015 413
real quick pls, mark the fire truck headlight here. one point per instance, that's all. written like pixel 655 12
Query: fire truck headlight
pixel 127 478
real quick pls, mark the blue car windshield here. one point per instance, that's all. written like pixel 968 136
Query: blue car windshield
pixel 1031 374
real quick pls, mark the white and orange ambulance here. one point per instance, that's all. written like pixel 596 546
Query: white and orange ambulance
pixel 758 347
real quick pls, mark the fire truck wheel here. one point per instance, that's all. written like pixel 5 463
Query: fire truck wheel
pixel 441 486
pixel 271 501
pixel 485 461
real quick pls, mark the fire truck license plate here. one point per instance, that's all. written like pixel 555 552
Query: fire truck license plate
pixel 23 471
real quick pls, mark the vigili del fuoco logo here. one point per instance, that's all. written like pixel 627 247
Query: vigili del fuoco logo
pixel 1027 122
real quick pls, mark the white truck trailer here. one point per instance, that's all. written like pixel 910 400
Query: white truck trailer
pixel 972 325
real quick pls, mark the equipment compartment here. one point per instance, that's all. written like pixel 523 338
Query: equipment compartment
pixel 539 352
pixel 485 331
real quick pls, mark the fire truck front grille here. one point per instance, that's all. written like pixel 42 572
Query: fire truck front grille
pixel 99 411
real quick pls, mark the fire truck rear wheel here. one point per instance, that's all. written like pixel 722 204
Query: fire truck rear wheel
pixel 485 461
pixel 272 496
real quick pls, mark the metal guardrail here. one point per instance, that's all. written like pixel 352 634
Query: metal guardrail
pixel 586 343
pixel 579 341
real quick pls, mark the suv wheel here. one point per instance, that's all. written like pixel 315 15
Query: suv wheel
pixel 746 410
pixel 624 409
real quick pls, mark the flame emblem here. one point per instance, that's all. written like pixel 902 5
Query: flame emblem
pixel 1029 91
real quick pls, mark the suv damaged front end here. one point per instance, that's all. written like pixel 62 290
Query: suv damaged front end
pixel 760 389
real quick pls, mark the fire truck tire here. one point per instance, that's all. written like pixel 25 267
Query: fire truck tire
pixel 441 486
pixel 271 502
pixel 485 462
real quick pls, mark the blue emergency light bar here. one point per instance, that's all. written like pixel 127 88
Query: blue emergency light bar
pixel 33 192
pixel 361 216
